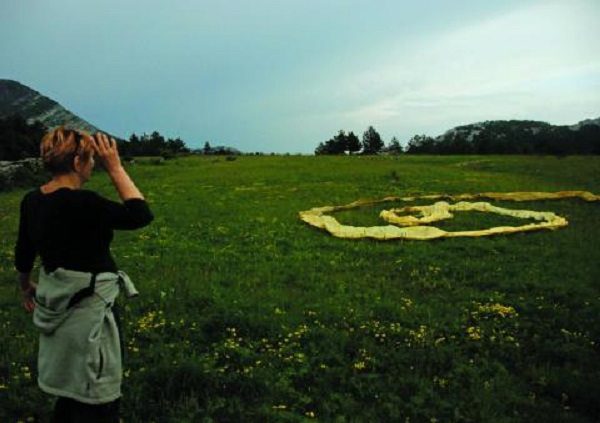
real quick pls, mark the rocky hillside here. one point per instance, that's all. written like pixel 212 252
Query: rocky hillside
pixel 504 128
pixel 512 137
pixel 21 173
pixel 585 122
pixel 18 99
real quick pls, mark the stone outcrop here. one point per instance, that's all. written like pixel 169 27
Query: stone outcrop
pixel 18 99
pixel 20 172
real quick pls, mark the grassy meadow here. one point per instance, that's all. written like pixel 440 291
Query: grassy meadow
pixel 248 314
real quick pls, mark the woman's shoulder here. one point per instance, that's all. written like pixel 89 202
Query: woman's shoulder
pixel 31 195
pixel 62 193
pixel 93 197
pixel 90 195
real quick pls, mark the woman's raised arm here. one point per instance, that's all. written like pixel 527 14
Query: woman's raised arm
pixel 109 155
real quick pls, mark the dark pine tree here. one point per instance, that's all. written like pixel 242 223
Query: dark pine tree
pixel 353 144
pixel 372 143
pixel 395 147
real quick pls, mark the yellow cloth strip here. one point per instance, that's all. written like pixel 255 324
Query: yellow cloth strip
pixel 410 226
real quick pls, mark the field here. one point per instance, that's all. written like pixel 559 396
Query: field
pixel 248 314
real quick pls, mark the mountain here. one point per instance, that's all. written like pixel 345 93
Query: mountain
pixel 18 99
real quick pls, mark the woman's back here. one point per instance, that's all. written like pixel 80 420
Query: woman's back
pixel 73 229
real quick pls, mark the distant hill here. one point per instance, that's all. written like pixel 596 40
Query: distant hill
pixel 18 99
pixel 512 137
pixel 508 127
pixel 585 122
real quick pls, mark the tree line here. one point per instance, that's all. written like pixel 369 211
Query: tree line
pixel 490 137
pixel 510 137
pixel 371 143
pixel 152 145
pixel 19 140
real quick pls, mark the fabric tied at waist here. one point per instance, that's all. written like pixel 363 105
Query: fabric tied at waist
pixel 79 354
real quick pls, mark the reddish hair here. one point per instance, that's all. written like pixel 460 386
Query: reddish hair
pixel 60 146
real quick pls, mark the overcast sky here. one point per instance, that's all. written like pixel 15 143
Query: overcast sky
pixel 284 75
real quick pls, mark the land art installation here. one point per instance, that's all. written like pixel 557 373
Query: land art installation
pixel 407 226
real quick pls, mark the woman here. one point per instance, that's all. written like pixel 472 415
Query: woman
pixel 70 228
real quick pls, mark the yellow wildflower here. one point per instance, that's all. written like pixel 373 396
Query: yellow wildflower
pixel 359 365
pixel 497 309
pixel 474 333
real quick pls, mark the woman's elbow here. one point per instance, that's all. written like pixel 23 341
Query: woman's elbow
pixel 149 218
pixel 145 220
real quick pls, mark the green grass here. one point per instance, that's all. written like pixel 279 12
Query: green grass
pixel 248 314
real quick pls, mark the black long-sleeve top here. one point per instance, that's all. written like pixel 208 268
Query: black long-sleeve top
pixel 73 229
